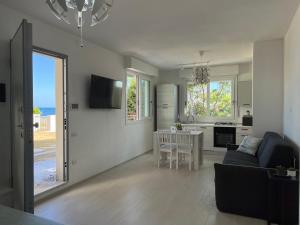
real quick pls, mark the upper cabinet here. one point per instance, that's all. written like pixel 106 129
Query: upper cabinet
pixel 244 86
pixel 245 93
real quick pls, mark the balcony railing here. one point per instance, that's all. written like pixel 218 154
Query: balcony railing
pixel 46 123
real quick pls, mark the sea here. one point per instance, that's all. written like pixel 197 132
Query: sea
pixel 47 111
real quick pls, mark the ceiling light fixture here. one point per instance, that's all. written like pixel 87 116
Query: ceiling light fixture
pixel 200 70
pixel 91 11
pixel 201 73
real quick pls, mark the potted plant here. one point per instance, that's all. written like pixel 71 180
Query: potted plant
pixel 178 126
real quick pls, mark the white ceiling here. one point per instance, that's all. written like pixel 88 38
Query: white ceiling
pixel 170 32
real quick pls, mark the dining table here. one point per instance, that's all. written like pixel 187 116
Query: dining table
pixel 197 140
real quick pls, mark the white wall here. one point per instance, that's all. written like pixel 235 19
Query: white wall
pixel 291 119
pixel 102 139
pixel 267 86
pixel 292 81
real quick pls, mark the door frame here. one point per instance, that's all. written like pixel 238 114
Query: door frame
pixel 65 59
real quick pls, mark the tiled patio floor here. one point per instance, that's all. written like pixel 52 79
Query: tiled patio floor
pixel 44 164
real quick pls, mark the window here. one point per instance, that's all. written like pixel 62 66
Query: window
pixel 131 88
pixel 145 98
pixel 137 97
pixel 211 100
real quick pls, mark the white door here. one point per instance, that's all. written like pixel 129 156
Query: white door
pixel 21 117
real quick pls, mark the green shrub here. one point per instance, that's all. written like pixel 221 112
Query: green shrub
pixel 36 110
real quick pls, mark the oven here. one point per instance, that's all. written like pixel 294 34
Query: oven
pixel 224 136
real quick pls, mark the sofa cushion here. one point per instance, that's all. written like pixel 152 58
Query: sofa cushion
pixel 240 158
pixel 249 145
pixel 264 142
pixel 276 152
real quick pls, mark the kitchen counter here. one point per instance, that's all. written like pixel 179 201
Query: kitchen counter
pixel 209 135
pixel 213 125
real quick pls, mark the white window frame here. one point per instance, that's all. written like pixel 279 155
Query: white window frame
pixel 233 101
pixel 139 77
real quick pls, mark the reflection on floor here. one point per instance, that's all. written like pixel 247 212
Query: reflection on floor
pixel 138 192
pixel 44 162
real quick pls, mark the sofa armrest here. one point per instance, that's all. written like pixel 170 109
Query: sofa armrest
pixel 232 147
pixel 241 190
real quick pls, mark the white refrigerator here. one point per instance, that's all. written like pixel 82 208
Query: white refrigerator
pixel 166 105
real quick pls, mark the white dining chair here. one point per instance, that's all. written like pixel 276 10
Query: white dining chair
pixel 166 145
pixel 184 146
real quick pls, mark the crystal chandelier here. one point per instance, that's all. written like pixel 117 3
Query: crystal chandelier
pixel 201 73
pixel 86 11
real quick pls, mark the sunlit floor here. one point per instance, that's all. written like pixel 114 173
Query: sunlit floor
pixel 139 193
pixel 44 164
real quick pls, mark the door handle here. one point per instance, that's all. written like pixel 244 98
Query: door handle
pixel 36 125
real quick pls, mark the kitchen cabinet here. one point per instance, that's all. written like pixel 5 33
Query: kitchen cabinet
pixel 245 93
pixel 242 132
pixel 208 138
pixel 208 135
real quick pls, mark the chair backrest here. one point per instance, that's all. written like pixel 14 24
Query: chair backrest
pixel 184 139
pixel 164 137
pixel 173 129
pixel 189 128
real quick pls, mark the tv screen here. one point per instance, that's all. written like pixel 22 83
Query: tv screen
pixel 105 93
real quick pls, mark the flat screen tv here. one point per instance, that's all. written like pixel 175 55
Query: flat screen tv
pixel 105 93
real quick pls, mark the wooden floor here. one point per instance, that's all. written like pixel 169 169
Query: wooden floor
pixel 138 193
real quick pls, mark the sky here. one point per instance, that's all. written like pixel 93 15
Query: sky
pixel 43 81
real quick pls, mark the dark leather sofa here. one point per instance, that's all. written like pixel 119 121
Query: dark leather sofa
pixel 241 181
